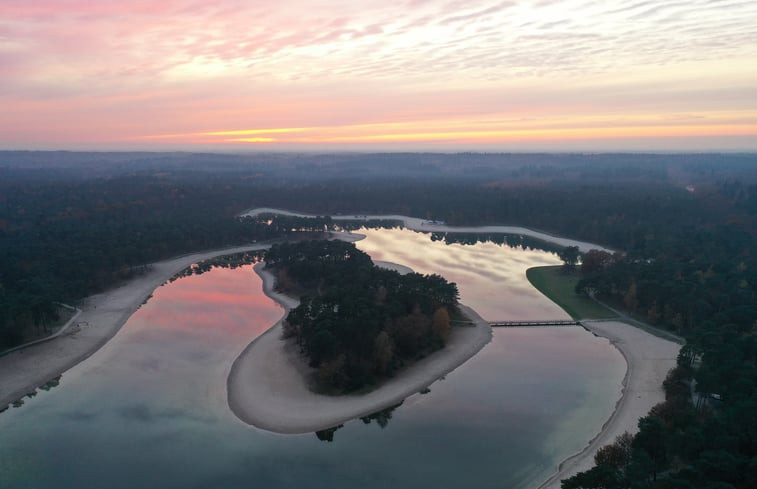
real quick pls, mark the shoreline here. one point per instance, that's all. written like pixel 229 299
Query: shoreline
pixel 99 317
pixel 267 387
pixel 422 225
pixel 648 359
pixel 102 315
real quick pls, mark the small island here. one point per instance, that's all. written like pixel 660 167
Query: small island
pixel 356 323
pixel 361 338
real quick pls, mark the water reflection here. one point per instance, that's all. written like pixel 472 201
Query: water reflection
pixel 232 261
pixel 149 409
pixel 491 277
pixel 327 434
pixel 54 382
pixel 514 241
pixel 381 418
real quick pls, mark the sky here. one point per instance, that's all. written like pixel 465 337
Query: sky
pixel 365 75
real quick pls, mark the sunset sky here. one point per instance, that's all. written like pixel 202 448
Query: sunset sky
pixel 544 75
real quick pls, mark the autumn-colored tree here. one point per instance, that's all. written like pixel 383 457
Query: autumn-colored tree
pixel 383 352
pixel 595 260
pixel 411 332
pixel 440 324
pixel 617 454
pixel 332 372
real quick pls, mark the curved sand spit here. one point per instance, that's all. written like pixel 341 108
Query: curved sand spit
pixel 267 386
pixel 417 224
pixel 648 357
pixel 102 315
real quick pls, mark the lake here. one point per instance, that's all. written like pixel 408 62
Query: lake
pixel 149 409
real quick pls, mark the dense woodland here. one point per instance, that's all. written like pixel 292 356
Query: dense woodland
pixel 705 434
pixel 358 323
pixel 684 227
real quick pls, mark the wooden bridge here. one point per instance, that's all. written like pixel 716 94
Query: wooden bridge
pixel 518 324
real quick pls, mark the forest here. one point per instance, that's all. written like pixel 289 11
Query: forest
pixel 705 433
pixel 683 225
pixel 357 323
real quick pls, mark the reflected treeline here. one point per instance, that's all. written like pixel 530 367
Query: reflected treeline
pixel 235 260
pixel 324 223
pixel 54 382
pixel 350 225
pixel 380 417
pixel 515 241
pixel 327 434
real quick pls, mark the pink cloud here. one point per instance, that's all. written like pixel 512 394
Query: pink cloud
pixel 81 71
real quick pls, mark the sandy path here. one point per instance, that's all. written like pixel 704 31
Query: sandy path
pixel 267 386
pixel 417 224
pixel 102 316
pixel 649 358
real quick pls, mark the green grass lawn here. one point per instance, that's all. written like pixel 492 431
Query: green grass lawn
pixel 560 288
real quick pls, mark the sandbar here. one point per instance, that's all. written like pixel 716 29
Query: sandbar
pixel 267 385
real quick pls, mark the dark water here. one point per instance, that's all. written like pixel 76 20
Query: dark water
pixel 149 409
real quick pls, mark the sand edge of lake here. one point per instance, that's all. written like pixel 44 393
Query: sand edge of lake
pixel 102 316
pixel 267 385
pixel 649 358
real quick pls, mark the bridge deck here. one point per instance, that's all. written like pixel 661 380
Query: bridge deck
pixel 514 324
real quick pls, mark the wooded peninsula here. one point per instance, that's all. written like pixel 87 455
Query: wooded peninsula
pixel 358 323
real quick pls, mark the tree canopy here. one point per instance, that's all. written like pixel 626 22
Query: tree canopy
pixel 358 323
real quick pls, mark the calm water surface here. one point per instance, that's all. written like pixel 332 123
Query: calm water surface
pixel 149 409
pixel 491 277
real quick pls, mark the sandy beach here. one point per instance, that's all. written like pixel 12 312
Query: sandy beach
pixel 649 358
pixel 102 315
pixel 267 384
pixel 424 225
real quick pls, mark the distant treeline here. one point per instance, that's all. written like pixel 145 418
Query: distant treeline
pixel 358 323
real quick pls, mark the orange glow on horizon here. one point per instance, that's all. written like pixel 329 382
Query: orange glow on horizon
pixel 251 132
pixel 249 140
pixel 486 132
